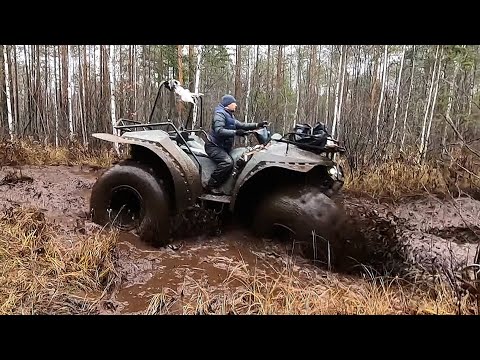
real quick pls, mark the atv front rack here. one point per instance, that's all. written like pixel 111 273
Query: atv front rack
pixel 329 150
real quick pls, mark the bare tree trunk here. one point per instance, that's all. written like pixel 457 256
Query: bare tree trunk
pixel 3 92
pixel 55 82
pixel 396 95
pixel 41 113
pixel 7 90
pixel 249 83
pixel 279 84
pixel 180 77
pixel 408 99
pixel 427 107
pixel 327 101
pixel 311 83
pixel 470 91
pixel 375 84
pixel 197 84
pixel 268 73
pixel 27 92
pixel 70 90
pixel 81 95
pixel 255 82
pixel 337 93
pixel 382 92
pixel 238 72
pixel 64 89
pixel 191 69
pixel 112 92
pixel 449 105
pixel 319 88
pixel 427 137
pixel 299 68
pixel 84 81
pixel 134 66
pixel 16 97
pixel 250 60
pixel 344 71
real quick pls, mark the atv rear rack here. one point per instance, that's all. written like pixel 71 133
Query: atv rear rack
pixel 183 135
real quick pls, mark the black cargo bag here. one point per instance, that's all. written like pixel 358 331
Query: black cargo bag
pixel 305 134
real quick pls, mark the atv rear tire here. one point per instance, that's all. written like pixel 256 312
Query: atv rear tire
pixel 301 212
pixel 129 197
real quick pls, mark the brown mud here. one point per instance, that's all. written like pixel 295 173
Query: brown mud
pixel 427 232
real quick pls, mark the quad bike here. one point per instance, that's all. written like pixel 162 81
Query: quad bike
pixel 285 183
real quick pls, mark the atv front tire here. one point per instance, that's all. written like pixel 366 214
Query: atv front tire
pixel 310 218
pixel 129 197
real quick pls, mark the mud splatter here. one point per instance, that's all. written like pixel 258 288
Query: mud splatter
pixel 430 234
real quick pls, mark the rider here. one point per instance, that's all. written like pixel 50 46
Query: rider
pixel 220 140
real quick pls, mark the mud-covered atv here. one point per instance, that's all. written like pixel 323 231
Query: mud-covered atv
pixel 283 184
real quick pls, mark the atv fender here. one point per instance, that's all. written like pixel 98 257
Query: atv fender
pixel 184 172
pixel 293 159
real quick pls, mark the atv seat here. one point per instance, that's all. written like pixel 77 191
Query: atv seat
pixel 195 143
pixel 197 151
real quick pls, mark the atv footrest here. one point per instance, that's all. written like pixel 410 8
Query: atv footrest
pixel 217 198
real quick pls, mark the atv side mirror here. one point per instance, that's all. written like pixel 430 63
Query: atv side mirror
pixel 276 137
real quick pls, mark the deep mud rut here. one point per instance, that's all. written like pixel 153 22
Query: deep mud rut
pixel 431 228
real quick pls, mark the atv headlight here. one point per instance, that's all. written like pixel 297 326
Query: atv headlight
pixel 333 172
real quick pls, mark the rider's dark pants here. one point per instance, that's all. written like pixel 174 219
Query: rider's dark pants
pixel 224 164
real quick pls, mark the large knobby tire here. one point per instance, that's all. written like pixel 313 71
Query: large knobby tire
pixel 310 218
pixel 129 197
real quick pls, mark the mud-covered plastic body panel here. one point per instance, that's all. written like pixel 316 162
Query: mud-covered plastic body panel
pixel 184 171
pixel 281 155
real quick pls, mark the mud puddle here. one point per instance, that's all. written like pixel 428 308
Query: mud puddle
pixel 60 191
pixel 213 265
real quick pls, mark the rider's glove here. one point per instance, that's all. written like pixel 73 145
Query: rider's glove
pixel 262 124
pixel 240 132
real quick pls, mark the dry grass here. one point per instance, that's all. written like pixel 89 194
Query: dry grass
pixel 33 153
pixel 397 179
pixel 39 275
pixel 286 293
pixel 394 180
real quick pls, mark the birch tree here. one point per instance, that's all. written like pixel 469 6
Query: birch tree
pixel 337 92
pixel 344 71
pixel 399 80
pixel 412 73
pixel 427 137
pixel 249 84
pixel 299 78
pixel 382 94
pixel 427 106
pixel 112 92
pixel 7 90
pixel 450 102
pixel 70 90
pixel 197 84
pixel 55 98
pixel 249 87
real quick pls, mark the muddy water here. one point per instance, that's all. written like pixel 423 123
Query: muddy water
pixel 212 264
pixel 432 228
pixel 61 191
